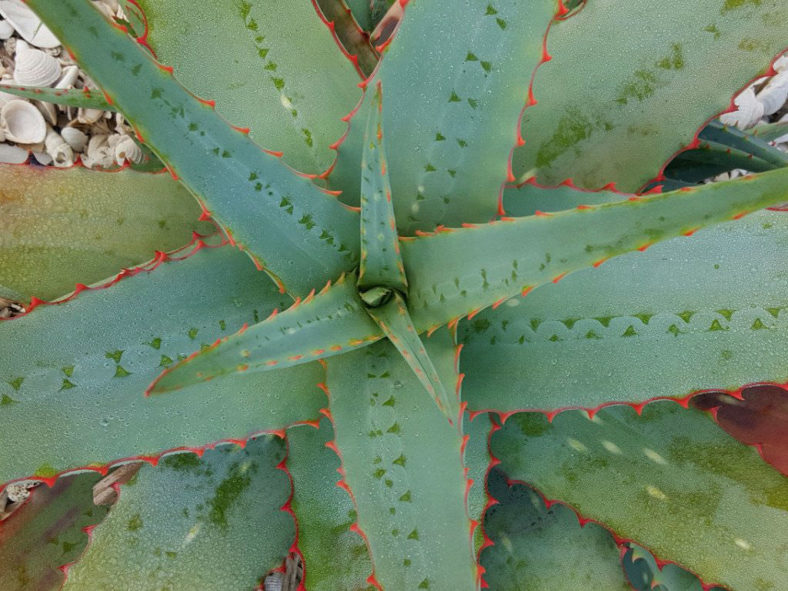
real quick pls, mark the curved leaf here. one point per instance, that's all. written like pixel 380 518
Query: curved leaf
pixel 631 82
pixel 689 314
pixel 214 522
pixel 113 342
pixel 47 532
pixel 72 97
pixel 533 545
pixel 670 479
pixel 60 227
pixel 403 463
pixel 645 574
pixel 238 182
pixel 291 95
pixel 467 65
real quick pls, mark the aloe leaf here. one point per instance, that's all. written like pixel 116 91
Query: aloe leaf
pixel 361 13
pixel 452 151
pixel 291 96
pixel 477 461
pixel 730 136
pixel 238 183
pixel 72 97
pixel 457 272
pixel 329 323
pixel 214 522
pixel 613 82
pixel 705 312
pixel 669 478
pixel 60 227
pixel 47 532
pixel 354 40
pixel 381 263
pixel 756 418
pixel 770 132
pixel 645 574
pixel 114 342
pixel 529 198
pixel 711 159
pixel 336 556
pixel 533 543
pixel 403 463
pixel 393 318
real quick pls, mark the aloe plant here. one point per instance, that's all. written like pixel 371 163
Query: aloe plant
pixel 456 324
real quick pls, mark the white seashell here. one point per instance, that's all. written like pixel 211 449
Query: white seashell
pixel 104 9
pixel 43 158
pixel 61 153
pixel 6 30
pixel 750 110
pixel 34 67
pixel 5 97
pixel 75 138
pixel 22 122
pixel 127 150
pixel 99 154
pixel 89 116
pixel 27 24
pixel 69 76
pixel 781 64
pixel 774 93
pixel 12 154
pixel 48 110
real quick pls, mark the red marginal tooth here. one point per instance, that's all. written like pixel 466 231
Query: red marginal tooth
pixel 273 153
pixel 531 99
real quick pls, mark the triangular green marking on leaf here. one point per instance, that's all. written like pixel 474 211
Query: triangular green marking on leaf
pixel 381 263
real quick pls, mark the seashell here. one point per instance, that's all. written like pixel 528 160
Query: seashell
pixel 48 110
pixel 5 97
pixel 750 110
pixel 27 24
pixel 42 158
pixel 69 76
pixel 89 116
pixel 62 154
pixel 774 93
pixel 6 30
pixel 34 67
pixel 12 154
pixel 75 138
pixel 99 154
pixel 127 150
pixel 22 122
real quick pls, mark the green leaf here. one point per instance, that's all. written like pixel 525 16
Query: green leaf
pixel 769 132
pixel 381 263
pixel 331 322
pixel 46 533
pixel 670 479
pixel 571 343
pixel 621 96
pixel 403 462
pixel 394 320
pixel 291 95
pixel 59 227
pixel 477 460
pixel 214 522
pixel 73 97
pixel 336 556
pixel 452 150
pixel 730 136
pixel 354 40
pixel 238 183
pixel 114 342
pixel 529 198
pixel 361 12
pixel 534 543
pixel 711 159
pixel 645 574
pixel 455 273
